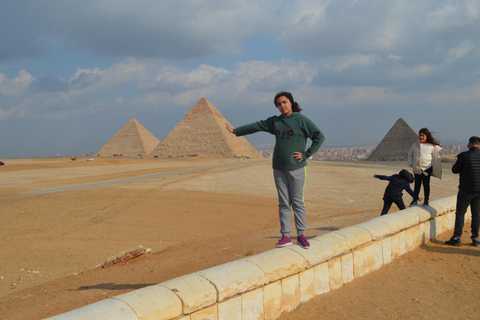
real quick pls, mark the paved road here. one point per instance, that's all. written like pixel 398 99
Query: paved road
pixel 101 183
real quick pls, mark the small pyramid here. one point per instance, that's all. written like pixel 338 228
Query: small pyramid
pixel 202 132
pixel 132 140
pixel 396 143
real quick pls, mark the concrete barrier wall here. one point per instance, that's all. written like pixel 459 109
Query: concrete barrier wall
pixel 265 285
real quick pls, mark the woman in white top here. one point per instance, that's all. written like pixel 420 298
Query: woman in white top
pixel 424 159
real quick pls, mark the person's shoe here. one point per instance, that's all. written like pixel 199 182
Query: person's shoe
pixel 454 242
pixel 475 242
pixel 285 241
pixel 413 203
pixel 302 241
pixel 425 203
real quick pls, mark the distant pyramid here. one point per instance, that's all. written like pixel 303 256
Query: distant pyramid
pixel 202 132
pixel 396 144
pixel 132 140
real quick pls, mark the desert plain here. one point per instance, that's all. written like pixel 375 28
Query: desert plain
pixel 60 219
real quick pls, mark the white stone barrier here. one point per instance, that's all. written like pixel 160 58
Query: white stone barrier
pixel 269 283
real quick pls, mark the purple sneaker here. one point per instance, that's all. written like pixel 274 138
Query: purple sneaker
pixel 285 241
pixel 302 241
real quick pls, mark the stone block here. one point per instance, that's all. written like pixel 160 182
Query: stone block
pixel 322 279
pixel 252 305
pixel 368 259
pixel 230 309
pixel 426 230
pixel 413 238
pixel 399 247
pixel 272 300
pixel 387 250
pixel 430 229
pixel 318 252
pixel 374 257
pixel 104 309
pixel 347 268
pixel 335 273
pixel 357 236
pixel 210 313
pixel 448 221
pixel 410 218
pixel 307 285
pixel 446 205
pixel 290 293
pixel 439 210
pixel 377 228
pixel 433 210
pixel 153 302
pixel 195 291
pixel 339 244
pixel 436 227
pixel 278 263
pixel 400 220
pixel 233 278
pixel 452 200
pixel 421 213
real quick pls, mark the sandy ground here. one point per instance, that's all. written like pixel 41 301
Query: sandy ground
pixel 222 211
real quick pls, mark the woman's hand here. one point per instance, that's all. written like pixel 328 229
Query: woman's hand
pixel 298 156
pixel 229 127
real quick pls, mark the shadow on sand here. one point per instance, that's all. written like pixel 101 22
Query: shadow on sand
pixel 113 286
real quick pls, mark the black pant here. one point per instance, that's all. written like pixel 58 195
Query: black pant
pixel 388 203
pixel 425 179
pixel 464 199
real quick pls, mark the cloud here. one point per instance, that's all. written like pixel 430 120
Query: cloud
pixel 352 61
pixel 84 78
pixel 174 30
pixel 102 60
pixel 16 86
pixel 461 50
pixel 203 76
pixel 49 84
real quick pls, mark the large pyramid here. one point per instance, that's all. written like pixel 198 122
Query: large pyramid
pixel 396 144
pixel 202 132
pixel 132 140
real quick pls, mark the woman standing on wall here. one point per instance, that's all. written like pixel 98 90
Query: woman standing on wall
pixel 424 158
pixel 291 130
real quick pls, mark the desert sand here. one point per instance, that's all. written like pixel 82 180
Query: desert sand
pixel 217 210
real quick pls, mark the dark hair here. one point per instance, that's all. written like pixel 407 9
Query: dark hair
pixel 288 95
pixel 474 141
pixel 430 138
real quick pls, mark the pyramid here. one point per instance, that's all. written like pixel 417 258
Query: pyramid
pixel 202 132
pixel 132 140
pixel 396 143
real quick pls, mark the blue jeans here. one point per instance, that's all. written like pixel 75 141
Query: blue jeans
pixel 290 193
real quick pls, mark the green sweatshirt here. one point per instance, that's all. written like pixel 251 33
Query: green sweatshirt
pixel 291 135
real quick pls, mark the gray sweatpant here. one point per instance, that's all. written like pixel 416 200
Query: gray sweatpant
pixel 290 193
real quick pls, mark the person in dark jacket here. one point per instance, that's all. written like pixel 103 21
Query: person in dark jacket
pixel 393 191
pixel 468 166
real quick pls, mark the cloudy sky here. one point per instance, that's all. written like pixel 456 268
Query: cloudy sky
pixel 72 73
